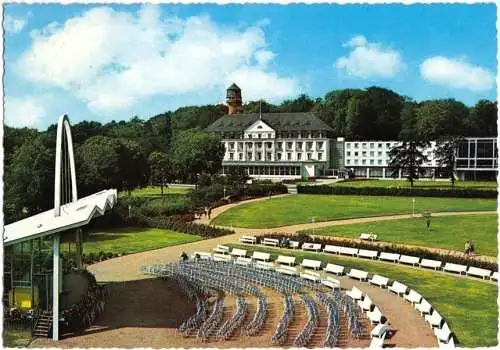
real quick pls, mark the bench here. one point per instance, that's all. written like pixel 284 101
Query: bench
pixel 355 293
pixel 287 270
pixel 239 252
pixel 398 288
pixel 312 276
pixel 455 268
pixel 358 274
pixel 336 269
pixel 243 261
pixel 389 257
pixel 294 244
pixel 443 334
pixel 311 246
pixel 413 297
pixel 365 304
pixel 222 249
pixel 264 265
pixel 379 281
pixel 332 249
pixel 202 255
pixel 289 260
pixel 270 241
pixel 222 257
pixel 424 307
pixel 374 316
pixel 311 264
pixel 433 264
pixel 494 276
pixel 434 319
pixel 349 251
pixel 379 331
pixel 248 239
pixel 475 271
pixel 331 282
pixel 368 236
pixel 372 254
pixel 408 259
pixel 261 256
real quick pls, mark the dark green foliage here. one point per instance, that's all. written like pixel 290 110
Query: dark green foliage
pixel 388 248
pixel 391 191
pixel 408 158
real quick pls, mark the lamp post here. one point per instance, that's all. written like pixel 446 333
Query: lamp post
pixel 129 210
pixel 312 221
pixel 197 180
pixel 413 213
pixel 224 191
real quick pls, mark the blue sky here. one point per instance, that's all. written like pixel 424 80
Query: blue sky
pixel 110 62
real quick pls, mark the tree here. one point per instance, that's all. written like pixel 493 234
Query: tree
pixel 29 180
pixel 359 119
pixel 159 167
pixel 483 119
pixel 385 106
pixel 134 165
pixel 409 158
pixel 303 103
pixel 196 152
pixel 100 161
pixel 438 118
pixel 409 129
pixel 446 154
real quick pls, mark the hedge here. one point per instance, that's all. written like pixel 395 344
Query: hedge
pixel 388 248
pixel 396 191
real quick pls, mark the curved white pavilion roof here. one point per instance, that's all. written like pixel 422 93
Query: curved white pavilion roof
pixel 72 215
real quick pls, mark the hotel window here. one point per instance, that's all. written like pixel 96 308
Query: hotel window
pixel 289 156
pixel 259 136
pixel 372 161
pixel 363 153
pixel 379 154
pixel 249 136
pixel 348 153
pixel 268 136
pixel 268 156
pixel 231 156
pixel 356 145
pixel 372 153
pixel 348 145
pixel 278 155
pixel 379 162
pixel 363 161
pixel 289 145
pixel 379 145
pixel 388 145
pixel 299 156
pixel 231 145
pixel 240 156
pixel 309 156
pixel 348 161
pixel 249 156
pixel 320 145
pixel 320 155
pixel 372 145
pixel 363 145
pixel 355 161
pixel 299 145
pixel 259 156
pixel 356 154
pixel 387 153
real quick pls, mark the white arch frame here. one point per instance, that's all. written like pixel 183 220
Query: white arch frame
pixel 63 124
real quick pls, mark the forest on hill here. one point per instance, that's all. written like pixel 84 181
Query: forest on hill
pixel 172 145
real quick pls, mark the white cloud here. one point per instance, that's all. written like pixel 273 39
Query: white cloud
pixel 26 111
pixel 370 60
pixel 13 25
pixel 113 60
pixel 456 73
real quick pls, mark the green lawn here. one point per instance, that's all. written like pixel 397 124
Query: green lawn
pixel 133 240
pixel 16 338
pixel 489 185
pixel 469 306
pixel 155 191
pixel 445 232
pixel 302 208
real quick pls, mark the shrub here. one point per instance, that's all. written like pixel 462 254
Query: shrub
pixel 389 248
pixel 393 191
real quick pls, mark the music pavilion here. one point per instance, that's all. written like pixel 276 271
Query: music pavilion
pixel 29 282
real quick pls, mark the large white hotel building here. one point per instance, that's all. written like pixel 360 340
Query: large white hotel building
pixel 299 145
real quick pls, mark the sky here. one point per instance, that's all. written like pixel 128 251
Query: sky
pixel 113 62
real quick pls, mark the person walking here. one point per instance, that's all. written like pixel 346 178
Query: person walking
pixel 472 249
pixel 467 248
